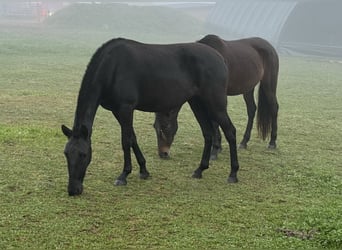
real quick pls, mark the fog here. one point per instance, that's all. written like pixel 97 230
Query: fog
pixel 293 27
pixel 287 198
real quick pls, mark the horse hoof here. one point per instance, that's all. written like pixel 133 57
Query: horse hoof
pixel 272 146
pixel 242 146
pixel 144 176
pixel 213 157
pixel 120 182
pixel 232 179
pixel 196 175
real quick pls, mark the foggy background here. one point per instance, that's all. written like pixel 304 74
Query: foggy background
pixel 295 27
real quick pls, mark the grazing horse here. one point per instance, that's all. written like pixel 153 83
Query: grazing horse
pixel 125 75
pixel 249 62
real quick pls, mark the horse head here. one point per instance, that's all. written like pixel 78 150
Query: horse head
pixel 166 127
pixel 78 155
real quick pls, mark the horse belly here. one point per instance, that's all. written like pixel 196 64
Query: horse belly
pixel 164 98
pixel 244 76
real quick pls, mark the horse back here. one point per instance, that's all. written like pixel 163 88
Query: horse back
pixel 247 59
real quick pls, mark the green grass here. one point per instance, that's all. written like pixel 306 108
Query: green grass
pixel 290 198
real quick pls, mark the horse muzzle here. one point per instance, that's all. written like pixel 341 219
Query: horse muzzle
pixel 164 152
pixel 75 188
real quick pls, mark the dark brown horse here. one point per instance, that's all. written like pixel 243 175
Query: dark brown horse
pixel 124 75
pixel 249 62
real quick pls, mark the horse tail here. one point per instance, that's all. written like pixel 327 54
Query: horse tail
pixel 263 115
pixel 267 101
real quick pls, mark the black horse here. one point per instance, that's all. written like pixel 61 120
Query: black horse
pixel 249 62
pixel 124 75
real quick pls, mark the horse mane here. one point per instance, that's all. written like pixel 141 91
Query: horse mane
pixel 96 59
pixel 91 72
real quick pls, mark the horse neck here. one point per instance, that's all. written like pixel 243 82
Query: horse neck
pixel 90 92
pixel 87 105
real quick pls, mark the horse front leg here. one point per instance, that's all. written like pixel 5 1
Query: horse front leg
pixel 125 118
pixel 127 169
pixel 251 109
pixel 144 174
pixel 230 134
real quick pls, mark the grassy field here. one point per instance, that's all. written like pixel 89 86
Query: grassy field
pixel 290 198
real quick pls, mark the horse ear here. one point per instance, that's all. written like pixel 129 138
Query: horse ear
pixel 66 131
pixel 84 132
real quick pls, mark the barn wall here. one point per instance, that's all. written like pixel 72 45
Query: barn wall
pixel 245 18
pixel 292 26
pixel 314 27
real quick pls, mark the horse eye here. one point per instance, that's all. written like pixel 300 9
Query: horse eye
pixel 82 155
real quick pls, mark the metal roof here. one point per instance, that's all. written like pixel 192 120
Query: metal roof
pixel 252 18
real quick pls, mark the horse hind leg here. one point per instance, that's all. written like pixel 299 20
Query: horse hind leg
pixel 207 132
pixel 128 140
pixel 274 128
pixel 251 109
pixel 229 131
